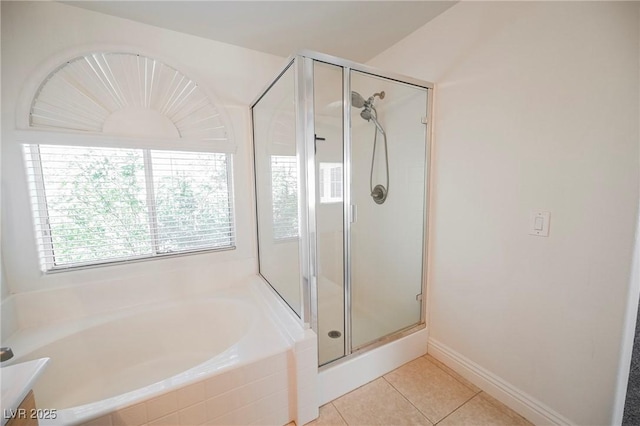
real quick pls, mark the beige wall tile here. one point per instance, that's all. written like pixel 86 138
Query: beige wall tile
pixel 378 403
pixel 193 415
pixel 228 419
pixel 434 392
pixel 224 382
pixel 135 415
pixel 170 420
pixel 100 421
pixel 190 395
pixel 162 405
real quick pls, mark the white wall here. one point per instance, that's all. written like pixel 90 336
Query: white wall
pixel 33 35
pixel 4 290
pixel 536 108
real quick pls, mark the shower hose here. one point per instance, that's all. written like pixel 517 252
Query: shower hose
pixel 378 128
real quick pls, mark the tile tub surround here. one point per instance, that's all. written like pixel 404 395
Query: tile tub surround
pixel 253 394
pixel 222 400
pixel 266 377
pixel 445 398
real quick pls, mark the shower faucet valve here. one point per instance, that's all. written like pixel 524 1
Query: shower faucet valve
pixel 5 354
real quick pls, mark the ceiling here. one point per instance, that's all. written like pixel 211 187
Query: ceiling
pixel 355 30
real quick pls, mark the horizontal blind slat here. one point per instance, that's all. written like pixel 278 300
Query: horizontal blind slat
pixel 90 204
pixel 284 193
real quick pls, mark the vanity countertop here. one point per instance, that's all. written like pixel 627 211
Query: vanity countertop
pixel 17 380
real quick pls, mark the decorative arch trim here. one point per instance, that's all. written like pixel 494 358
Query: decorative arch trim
pixel 125 94
pixel 37 81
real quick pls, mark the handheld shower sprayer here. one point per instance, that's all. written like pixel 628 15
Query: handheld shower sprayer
pixel 379 193
pixel 369 113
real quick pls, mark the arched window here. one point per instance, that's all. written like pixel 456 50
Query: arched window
pixel 127 159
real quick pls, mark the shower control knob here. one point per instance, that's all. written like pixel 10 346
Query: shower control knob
pixel 379 194
pixel 5 354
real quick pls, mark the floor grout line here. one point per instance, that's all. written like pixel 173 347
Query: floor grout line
pixel 503 408
pixel 456 378
pixel 339 413
pixel 474 393
pixel 457 408
pixel 407 399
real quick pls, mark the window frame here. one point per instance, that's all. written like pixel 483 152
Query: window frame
pixel 35 138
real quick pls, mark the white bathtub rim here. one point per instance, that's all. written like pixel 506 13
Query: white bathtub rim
pixel 26 341
pixel 285 319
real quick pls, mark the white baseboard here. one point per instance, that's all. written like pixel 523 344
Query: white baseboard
pixel 525 405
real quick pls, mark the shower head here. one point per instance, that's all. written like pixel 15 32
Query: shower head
pixel 357 100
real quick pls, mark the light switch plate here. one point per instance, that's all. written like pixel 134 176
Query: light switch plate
pixel 539 223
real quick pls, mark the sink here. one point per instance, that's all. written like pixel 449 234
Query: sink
pixel 16 381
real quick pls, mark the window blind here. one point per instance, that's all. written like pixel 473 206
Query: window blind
pixel 96 205
pixel 284 193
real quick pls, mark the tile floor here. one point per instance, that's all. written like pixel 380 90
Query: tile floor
pixel 421 392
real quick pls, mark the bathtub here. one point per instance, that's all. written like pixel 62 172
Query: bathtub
pixel 237 356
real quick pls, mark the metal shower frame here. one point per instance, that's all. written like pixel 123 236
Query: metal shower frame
pixel 302 63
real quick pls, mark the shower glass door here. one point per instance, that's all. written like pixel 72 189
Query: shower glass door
pixel 278 189
pixel 340 157
pixel 388 197
pixel 329 158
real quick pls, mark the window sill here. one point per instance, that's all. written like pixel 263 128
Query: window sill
pixel 79 267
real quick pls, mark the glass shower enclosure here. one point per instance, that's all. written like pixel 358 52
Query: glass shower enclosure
pixel 341 167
